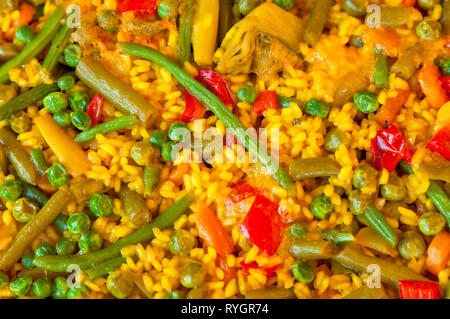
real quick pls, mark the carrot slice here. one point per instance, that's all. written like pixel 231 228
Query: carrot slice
pixel 27 12
pixel 428 78
pixel 389 110
pixel 438 253
pixel 212 231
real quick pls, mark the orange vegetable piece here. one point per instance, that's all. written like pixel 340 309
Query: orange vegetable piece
pixel 390 109
pixel 438 253
pixel 212 231
pixel 180 171
pixel 27 12
pixel 386 38
pixel 428 78
pixel 409 3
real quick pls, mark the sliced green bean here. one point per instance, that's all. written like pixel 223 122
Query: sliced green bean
pixel 317 20
pixel 381 69
pixel 38 158
pixel 105 268
pixel 166 219
pixel 395 16
pixel 338 237
pixel 216 106
pixel 35 46
pixel 134 206
pixel 106 128
pixel 284 101
pixel 312 249
pixel 151 178
pixel 378 222
pixel 313 167
pixel 185 32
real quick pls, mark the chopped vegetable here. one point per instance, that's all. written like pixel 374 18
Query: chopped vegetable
pixel 313 167
pixel 316 22
pixel 141 8
pixel 428 77
pixel 389 110
pixel 204 31
pixel 185 31
pixel 415 289
pixel 440 142
pixel 438 253
pixel 265 100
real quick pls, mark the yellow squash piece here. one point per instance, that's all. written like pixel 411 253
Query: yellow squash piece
pixel 68 152
pixel 204 31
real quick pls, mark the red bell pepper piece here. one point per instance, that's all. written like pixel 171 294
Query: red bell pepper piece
pixel 445 81
pixel 194 109
pixel 263 225
pixel 141 8
pixel 264 101
pixel 268 271
pixel 389 147
pixel 440 143
pixel 95 108
pixel 416 289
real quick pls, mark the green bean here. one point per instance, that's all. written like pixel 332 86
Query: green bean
pixel 35 46
pixel 378 222
pixel 284 101
pixel 120 95
pixel 106 128
pixel 225 18
pixel 316 22
pixel 151 178
pixel 390 273
pixel 337 236
pixel 365 292
pixel 166 219
pixel 445 17
pixel 58 45
pixel 32 229
pixel 38 158
pixel 83 189
pixel 185 32
pixel 134 206
pixel 270 293
pixel 313 167
pixel 381 69
pixel 105 268
pixel 26 99
pixel 8 51
pixel 31 192
pixel 216 106
pixel 18 157
pixel 395 16
pixel 312 250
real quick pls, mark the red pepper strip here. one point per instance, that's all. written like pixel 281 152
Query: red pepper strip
pixel 264 101
pixel 194 109
pixel 416 289
pixel 243 190
pixel 95 108
pixel 141 8
pixel 213 82
pixel 440 143
pixel 389 147
pixel 445 80
pixel 262 225
pixel 268 271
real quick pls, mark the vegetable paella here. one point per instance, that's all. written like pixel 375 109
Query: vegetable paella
pixel 196 149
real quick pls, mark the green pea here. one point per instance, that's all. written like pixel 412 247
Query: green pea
pixel 427 4
pixel 181 242
pixel 246 6
pixel 428 30
pixel 60 222
pixel 21 285
pixel 285 4
pixel 247 94
pixel 66 82
pixel 166 151
pixel 394 190
pixel 44 249
pixel 158 138
pixel 3 280
pixel 168 9
pixel 10 190
pixel 298 229
pixel 108 20
pixel 197 293
pixel 303 272
pixel 60 288
pixel 24 210
pixel 62 118
pixel 78 223
pixel 192 275
pixel 90 241
pixel 27 261
pixel 355 8
pixel 101 205
pixel 119 285
pixel 446 67
pixel 356 41
pixel 72 55
pixel 77 292
pixel 411 245
pixel 57 174
pixel 42 288
pixel 81 120
pixel 20 122
pixel 173 295
pixel 335 138
pixel 366 102
pixel 25 34
pixel 359 201
pixel 365 176
pixel 65 246
pixel 178 131
pixel 79 101
pixel 141 152
pixel 431 223
pixel 317 108
pixel 321 206
pixel 55 102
